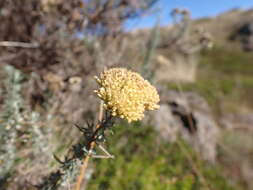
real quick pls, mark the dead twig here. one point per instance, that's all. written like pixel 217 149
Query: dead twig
pixel 19 44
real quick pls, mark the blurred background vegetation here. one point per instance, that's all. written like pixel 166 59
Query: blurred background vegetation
pixel 201 138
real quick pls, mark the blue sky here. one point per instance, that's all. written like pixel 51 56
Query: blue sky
pixel 198 9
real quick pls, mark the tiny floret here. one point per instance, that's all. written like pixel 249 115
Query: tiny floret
pixel 126 94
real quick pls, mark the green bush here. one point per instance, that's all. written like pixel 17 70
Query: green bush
pixel 224 75
pixel 142 162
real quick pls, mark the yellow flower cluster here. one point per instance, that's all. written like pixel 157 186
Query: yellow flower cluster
pixel 126 94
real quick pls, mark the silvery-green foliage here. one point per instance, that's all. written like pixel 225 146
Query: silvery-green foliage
pixel 10 118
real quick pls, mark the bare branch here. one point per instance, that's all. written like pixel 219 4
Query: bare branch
pixel 19 44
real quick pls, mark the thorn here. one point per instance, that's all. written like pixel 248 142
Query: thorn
pixel 58 159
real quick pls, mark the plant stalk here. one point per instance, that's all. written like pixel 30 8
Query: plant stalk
pixel 87 157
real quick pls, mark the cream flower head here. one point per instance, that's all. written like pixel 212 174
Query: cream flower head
pixel 126 94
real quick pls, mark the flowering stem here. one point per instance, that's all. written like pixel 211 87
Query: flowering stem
pixel 87 157
pixel 85 165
